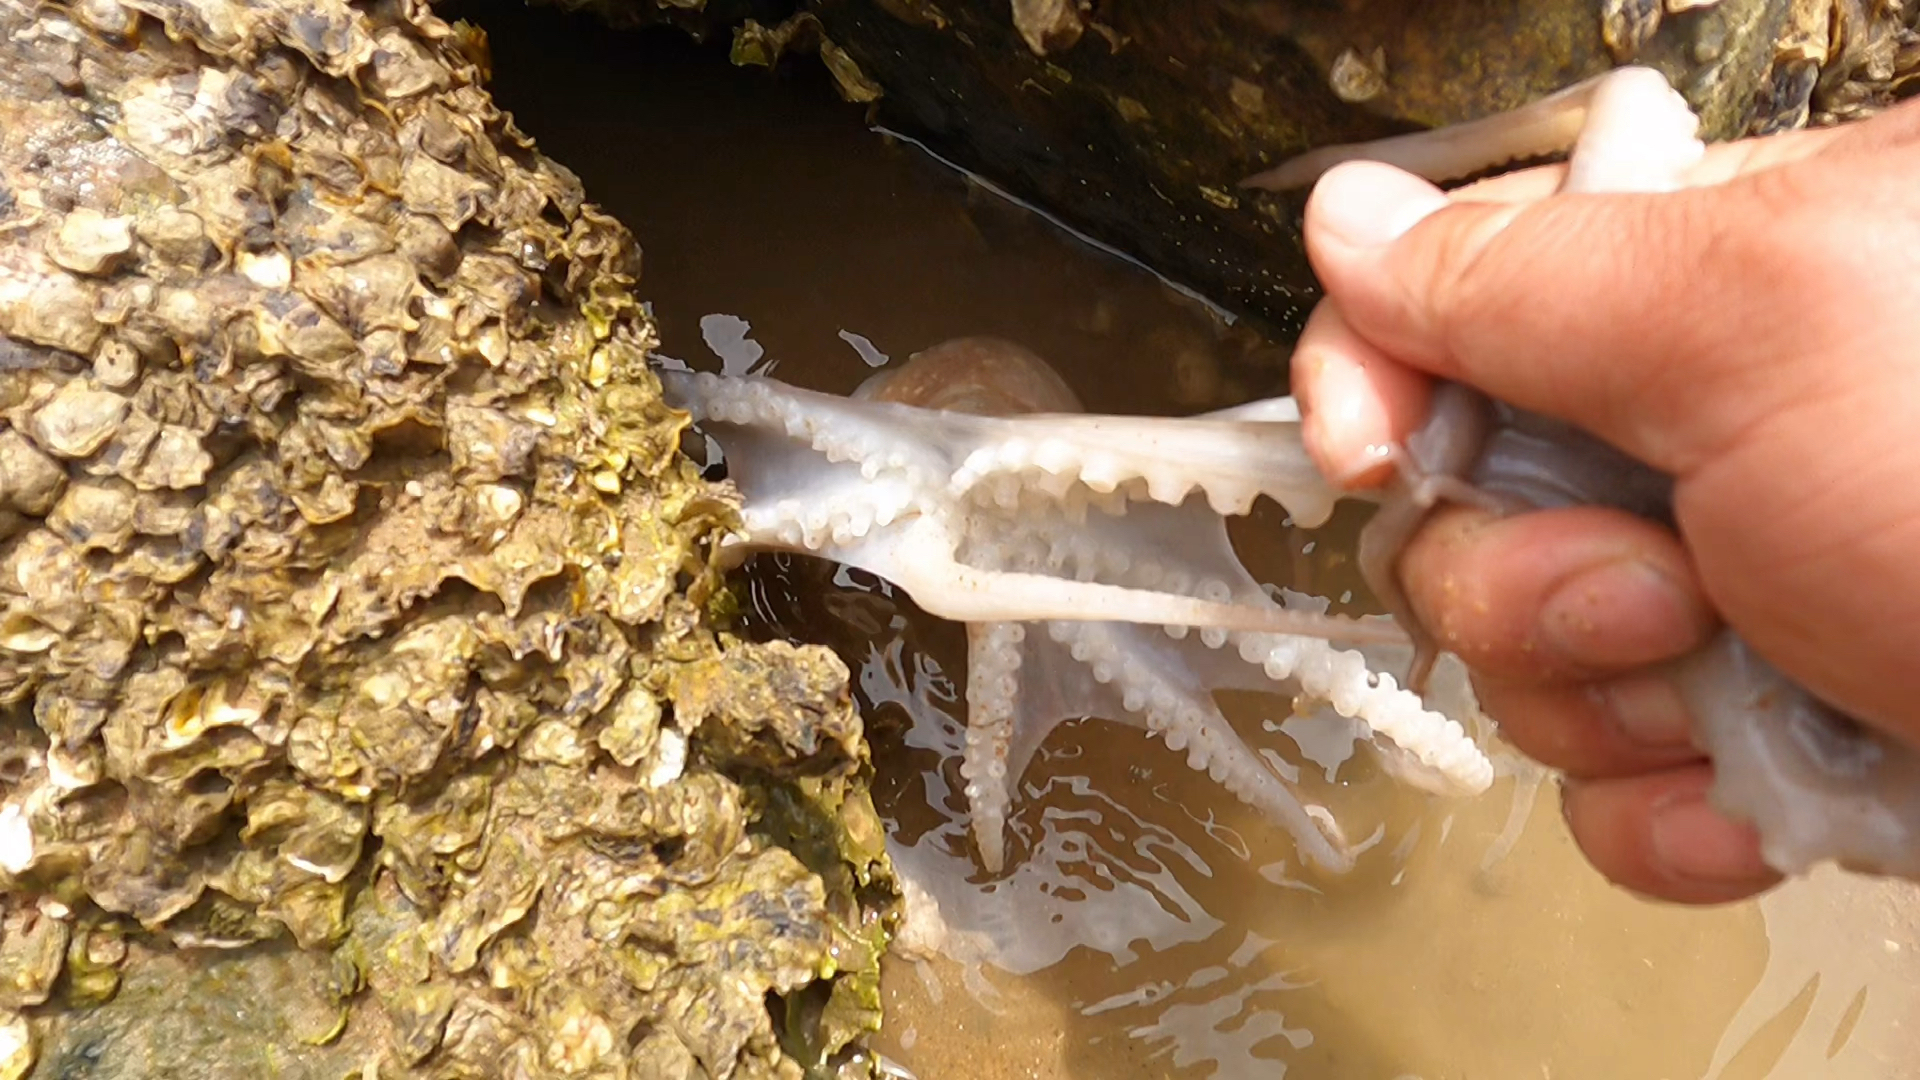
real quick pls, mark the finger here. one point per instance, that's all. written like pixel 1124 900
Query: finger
pixel 1353 400
pixel 1657 835
pixel 1556 595
pixel 1461 291
pixel 1620 727
pixel 1634 292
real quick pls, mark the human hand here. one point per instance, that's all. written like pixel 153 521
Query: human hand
pixel 1754 335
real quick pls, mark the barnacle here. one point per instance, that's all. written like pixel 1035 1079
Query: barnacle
pixel 352 587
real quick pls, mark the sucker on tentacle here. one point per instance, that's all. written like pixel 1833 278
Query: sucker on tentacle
pixel 1088 556
pixel 1816 785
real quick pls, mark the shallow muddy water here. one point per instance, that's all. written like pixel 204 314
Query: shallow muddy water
pixel 1148 925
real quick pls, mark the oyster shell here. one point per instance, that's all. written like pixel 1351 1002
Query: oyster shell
pixel 352 586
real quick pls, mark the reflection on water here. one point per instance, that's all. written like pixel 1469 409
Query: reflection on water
pixel 1153 928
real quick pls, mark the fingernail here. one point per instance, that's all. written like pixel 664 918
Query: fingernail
pixel 1693 841
pixel 1367 204
pixel 1302 370
pixel 1647 709
pixel 1619 614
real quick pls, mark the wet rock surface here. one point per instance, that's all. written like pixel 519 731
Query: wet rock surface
pixel 1139 123
pixel 354 596
pixel 1135 122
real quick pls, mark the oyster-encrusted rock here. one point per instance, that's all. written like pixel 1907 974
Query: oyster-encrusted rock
pixel 344 555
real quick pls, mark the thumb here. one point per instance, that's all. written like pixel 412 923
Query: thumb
pixel 1591 308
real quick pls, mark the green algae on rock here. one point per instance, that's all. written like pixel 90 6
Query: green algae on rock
pixel 351 581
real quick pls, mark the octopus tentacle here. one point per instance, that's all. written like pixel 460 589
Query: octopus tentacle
pixel 1451 763
pixel 876 436
pixel 1180 712
pixel 993 668
pixel 1178 550
pixel 1233 461
pixel 964 593
pixel 1549 125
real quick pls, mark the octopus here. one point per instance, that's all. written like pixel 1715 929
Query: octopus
pixel 1088 557
pixel 1817 785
